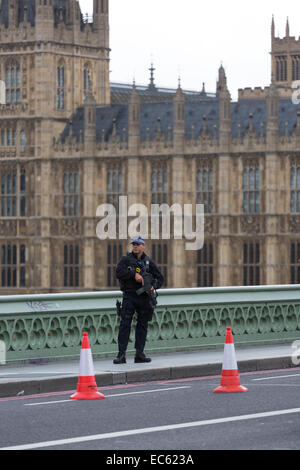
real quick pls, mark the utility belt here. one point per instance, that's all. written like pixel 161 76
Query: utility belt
pixel 124 312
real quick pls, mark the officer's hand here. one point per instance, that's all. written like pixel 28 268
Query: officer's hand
pixel 139 278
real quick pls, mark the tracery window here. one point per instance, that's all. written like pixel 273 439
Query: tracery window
pixel 281 69
pixel 205 265
pixel 71 265
pixel 71 192
pixel 159 184
pixel 204 186
pixel 251 188
pixel 251 263
pixel 13 191
pixel 12 83
pixel 12 264
pixel 60 87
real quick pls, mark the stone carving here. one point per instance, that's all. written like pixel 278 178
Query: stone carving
pixel 294 224
pixel 250 224
pixel 70 227
pixel 8 227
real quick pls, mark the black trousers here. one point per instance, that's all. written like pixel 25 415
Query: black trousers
pixel 140 304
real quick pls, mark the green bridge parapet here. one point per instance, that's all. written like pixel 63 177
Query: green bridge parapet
pixel 51 325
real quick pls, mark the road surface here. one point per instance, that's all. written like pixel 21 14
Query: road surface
pixel 169 415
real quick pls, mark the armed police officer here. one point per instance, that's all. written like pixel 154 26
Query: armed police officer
pixel 139 278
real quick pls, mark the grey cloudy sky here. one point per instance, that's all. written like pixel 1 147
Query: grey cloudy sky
pixel 191 38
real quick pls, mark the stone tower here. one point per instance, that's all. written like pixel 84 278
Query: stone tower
pixel 54 60
pixel 285 56
pixel 50 54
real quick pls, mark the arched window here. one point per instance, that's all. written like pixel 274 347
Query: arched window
pixel 104 6
pixel 159 184
pixel 12 83
pixel 251 263
pixel 22 138
pixel 86 80
pixel 60 87
pixel 281 69
pixel 205 265
pixel 204 186
pixel 114 185
pixel 251 188
pixel 12 192
pixel 13 264
pixel 71 192
pixel 71 265
pixel 8 137
pixel 296 67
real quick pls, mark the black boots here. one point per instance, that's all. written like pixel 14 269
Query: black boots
pixel 120 359
pixel 140 357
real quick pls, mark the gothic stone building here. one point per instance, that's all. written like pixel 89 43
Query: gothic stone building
pixel 71 140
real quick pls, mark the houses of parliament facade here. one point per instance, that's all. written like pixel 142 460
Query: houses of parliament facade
pixel 71 140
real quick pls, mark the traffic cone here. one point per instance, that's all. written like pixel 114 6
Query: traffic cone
pixel 86 387
pixel 230 380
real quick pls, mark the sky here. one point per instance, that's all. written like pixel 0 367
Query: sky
pixel 192 38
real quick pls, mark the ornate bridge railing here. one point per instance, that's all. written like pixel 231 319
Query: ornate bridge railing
pixel 51 326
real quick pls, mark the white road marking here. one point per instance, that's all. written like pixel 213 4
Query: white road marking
pixel 132 432
pixel 4 374
pixel 278 377
pixel 278 385
pixel 49 402
pixel 108 396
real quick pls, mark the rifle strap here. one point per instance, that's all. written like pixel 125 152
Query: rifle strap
pixel 140 290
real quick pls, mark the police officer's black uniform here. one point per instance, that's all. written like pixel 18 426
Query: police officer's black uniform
pixel 126 270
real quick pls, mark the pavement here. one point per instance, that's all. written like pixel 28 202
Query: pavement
pixel 55 376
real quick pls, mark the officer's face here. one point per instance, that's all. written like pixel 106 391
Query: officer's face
pixel 138 249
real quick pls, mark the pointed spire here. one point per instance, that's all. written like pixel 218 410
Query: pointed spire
pixel 178 118
pixel 179 82
pixel 203 92
pixel 134 98
pixel 25 14
pixel 222 82
pixel 152 70
pixel 222 72
pixel 273 27
pixel 179 93
pixel 287 29
pixel 133 86
pixel 224 99
pixel 134 119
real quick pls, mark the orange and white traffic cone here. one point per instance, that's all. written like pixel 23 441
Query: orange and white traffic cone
pixel 86 387
pixel 230 380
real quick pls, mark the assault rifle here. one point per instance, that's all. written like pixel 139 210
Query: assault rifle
pixel 119 308
pixel 147 287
